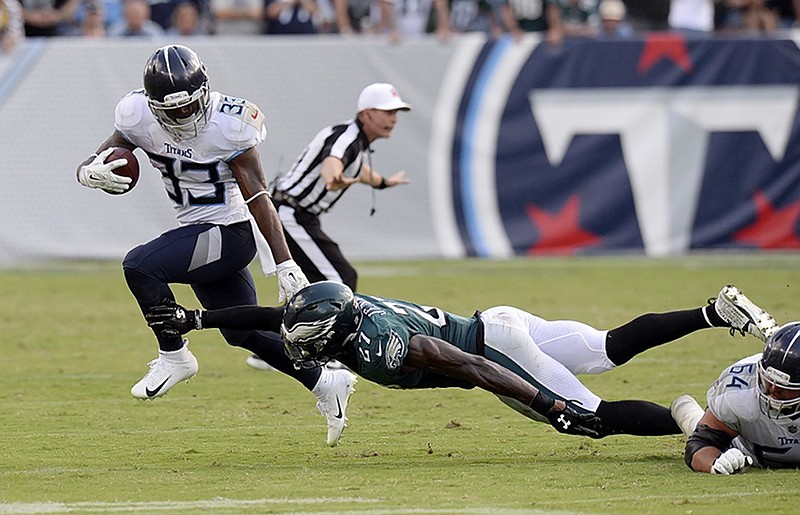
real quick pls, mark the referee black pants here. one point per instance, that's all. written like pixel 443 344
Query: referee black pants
pixel 314 251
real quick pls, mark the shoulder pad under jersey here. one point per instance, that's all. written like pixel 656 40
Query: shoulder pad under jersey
pixel 241 121
pixel 130 110
pixel 731 397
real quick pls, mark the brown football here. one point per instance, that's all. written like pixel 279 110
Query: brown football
pixel 129 170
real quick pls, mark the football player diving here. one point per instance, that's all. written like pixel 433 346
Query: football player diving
pixel 204 144
pixel 753 414
pixel 528 362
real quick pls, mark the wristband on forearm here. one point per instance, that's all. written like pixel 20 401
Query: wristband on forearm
pixel 382 185
pixel 542 404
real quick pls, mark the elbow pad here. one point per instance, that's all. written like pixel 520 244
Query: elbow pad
pixel 702 437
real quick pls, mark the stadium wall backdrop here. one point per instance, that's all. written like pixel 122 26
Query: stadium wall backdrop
pixel 656 146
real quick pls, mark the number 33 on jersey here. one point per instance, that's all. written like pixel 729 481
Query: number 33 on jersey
pixel 195 170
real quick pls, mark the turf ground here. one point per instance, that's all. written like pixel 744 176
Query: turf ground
pixel 237 440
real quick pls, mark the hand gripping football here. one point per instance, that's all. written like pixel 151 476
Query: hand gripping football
pixel 129 170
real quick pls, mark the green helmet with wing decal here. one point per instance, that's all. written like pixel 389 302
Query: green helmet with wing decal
pixel 317 323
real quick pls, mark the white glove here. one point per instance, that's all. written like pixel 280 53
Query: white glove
pixel 290 280
pixel 732 461
pixel 98 174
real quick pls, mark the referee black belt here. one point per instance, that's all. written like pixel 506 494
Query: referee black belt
pixel 282 198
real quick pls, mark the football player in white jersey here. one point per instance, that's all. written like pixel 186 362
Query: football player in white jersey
pixel 753 414
pixel 204 144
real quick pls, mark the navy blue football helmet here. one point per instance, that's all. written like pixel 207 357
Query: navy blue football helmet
pixel 176 85
pixel 317 323
pixel 780 367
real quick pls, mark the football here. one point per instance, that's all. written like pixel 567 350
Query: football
pixel 129 170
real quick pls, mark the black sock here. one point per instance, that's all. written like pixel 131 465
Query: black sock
pixel 651 330
pixel 640 418
pixel 150 292
pixel 269 347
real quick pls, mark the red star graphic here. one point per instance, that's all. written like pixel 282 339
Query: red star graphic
pixel 772 229
pixel 659 46
pixel 560 233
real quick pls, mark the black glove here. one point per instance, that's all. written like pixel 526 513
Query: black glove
pixel 170 320
pixel 571 422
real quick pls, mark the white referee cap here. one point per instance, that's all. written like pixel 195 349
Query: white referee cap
pixel 381 96
pixel 613 10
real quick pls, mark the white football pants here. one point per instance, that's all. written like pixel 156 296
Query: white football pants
pixel 549 354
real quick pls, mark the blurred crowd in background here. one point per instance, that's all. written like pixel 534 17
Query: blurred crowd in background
pixel 395 19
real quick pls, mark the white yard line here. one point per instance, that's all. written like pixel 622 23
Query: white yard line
pixel 210 505
pixel 227 504
pixel 144 506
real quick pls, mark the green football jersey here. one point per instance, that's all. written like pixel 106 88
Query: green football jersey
pixel 381 343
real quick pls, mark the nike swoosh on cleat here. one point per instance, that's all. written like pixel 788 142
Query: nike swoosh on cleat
pixel 152 393
pixel 338 407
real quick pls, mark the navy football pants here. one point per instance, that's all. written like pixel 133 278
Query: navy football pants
pixel 213 260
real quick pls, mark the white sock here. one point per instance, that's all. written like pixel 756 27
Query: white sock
pixel 324 382
pixel 176 356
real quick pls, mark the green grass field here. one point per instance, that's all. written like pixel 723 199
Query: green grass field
pixel 237 440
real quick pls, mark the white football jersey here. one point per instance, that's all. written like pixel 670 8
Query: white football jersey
pixel 195 171
pixel 733 399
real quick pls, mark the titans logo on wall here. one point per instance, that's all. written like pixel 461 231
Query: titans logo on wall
pixel 657 145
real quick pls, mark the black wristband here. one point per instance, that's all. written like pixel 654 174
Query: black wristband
pixel 542 404
pixel 382 185
pixel 704 436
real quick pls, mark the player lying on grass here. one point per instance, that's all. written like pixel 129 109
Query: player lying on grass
pixel 753 413
pixel 530 363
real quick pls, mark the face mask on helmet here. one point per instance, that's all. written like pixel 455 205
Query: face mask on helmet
pixel 309 344
pixel 176 85
pixel 779 375
pixel 318 322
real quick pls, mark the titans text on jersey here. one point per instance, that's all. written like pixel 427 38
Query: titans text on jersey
pixel 195 171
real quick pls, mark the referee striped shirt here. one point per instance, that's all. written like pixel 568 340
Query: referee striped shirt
pixel 303 183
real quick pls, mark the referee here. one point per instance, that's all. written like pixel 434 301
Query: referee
pixel 337 157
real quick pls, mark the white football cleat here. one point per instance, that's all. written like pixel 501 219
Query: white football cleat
pixel 167 370
pixel 333 393
pixel 686 412
pixel 259 364
pixel 743 315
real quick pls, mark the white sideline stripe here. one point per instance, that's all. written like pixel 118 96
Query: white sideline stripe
pixel 210 504
pixel 226 504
